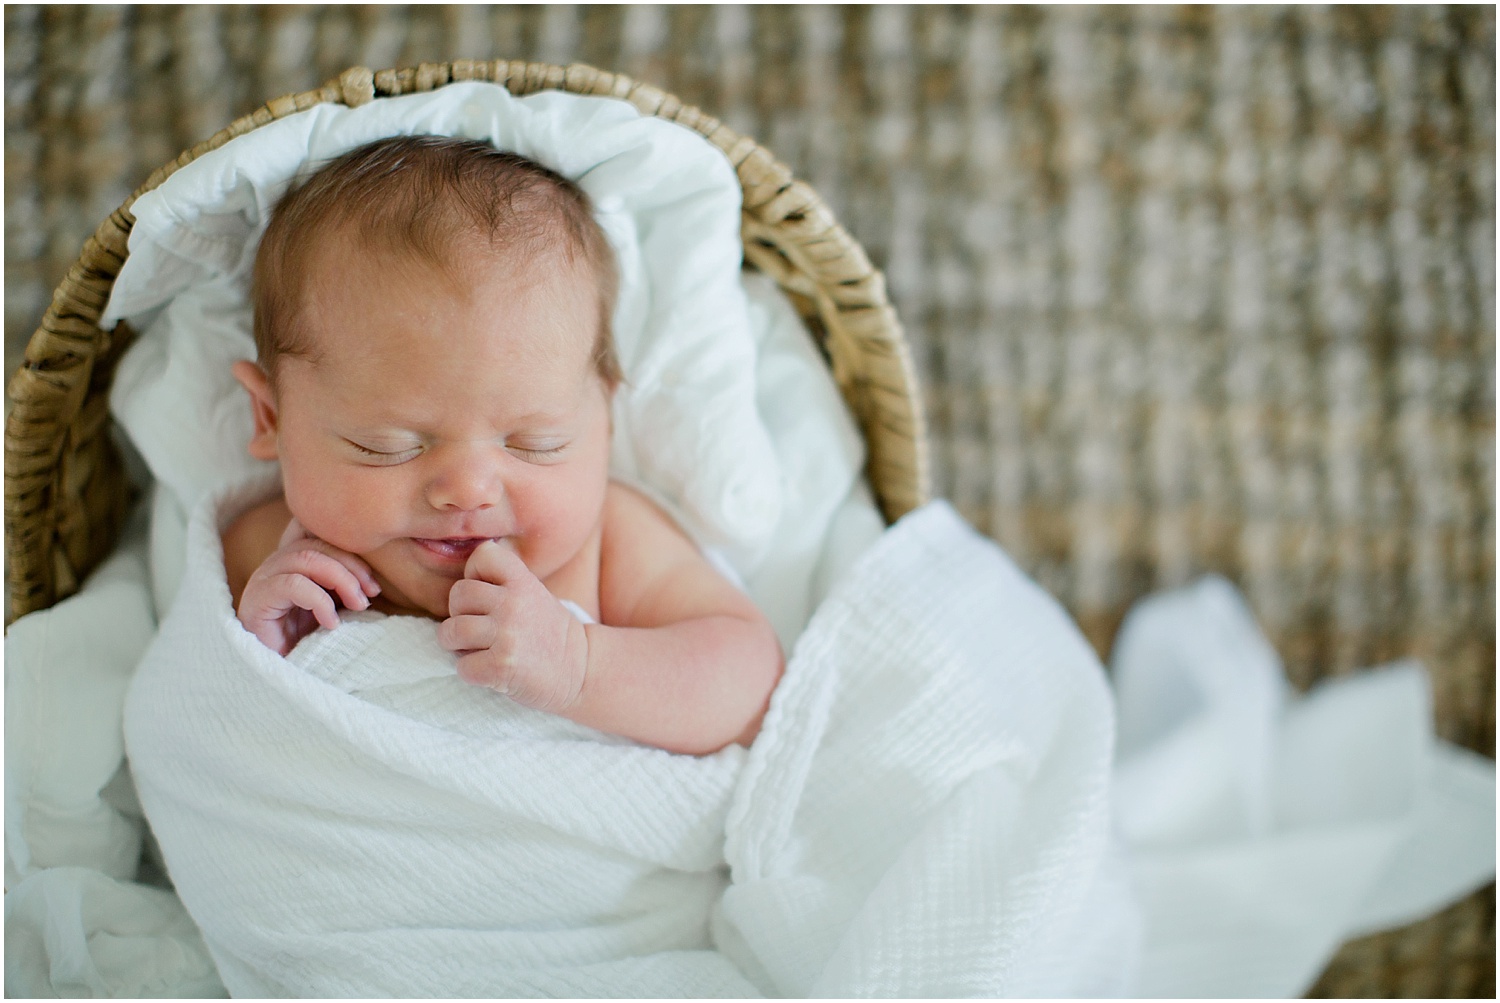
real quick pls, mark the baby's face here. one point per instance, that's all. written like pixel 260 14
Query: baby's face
pixel 442 410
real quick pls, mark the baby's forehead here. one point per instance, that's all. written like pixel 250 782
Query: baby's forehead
pixel 348 277
pixel 467 254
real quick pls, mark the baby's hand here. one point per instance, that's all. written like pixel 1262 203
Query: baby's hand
pixel 293 590
pixel 512 635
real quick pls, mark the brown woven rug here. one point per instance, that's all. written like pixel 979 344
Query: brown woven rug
pixel 1189 289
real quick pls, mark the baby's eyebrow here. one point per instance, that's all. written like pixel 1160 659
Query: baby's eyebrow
pixel 384 435
pixel 548 417
pixel 413 427
pixel 532 420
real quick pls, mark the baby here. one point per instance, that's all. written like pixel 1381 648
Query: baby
pixel 435 370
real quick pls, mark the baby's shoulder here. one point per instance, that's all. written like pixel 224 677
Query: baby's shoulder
pixel 633 522
pixel 250 538
pixel 640 547
pixel 627 506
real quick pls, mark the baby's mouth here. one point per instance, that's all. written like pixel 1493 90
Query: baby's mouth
pixel 452 548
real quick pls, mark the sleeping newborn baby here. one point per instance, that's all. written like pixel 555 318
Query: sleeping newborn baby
pixel 434 376
pixel 345 816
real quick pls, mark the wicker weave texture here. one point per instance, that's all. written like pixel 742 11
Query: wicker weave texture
pixel 1187 289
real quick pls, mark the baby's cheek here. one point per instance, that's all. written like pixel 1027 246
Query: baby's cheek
pixel 348 515
pixel 573 512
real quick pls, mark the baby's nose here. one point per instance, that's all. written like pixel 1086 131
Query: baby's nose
pixel 466 480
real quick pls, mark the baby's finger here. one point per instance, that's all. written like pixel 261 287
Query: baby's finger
pixel 307 594
pixel 330 571
pixel 495 562
pixel 469 595
pixel 357 567
pixel 467 633
pixel 478 669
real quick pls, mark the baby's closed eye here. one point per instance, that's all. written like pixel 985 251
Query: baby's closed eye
pixel 385 452
pixel 538 450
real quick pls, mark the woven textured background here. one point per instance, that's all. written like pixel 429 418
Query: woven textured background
pixel 1188 289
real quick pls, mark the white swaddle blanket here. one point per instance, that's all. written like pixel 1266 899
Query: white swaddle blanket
pixel 924 813
pixel 355 820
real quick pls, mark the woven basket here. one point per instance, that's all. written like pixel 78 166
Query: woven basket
pixel 66 492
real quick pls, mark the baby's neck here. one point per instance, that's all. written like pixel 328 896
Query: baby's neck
pixel 578 580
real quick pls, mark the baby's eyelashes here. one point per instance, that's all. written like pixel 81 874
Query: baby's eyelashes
pixel 385 454
pixel 537 452
pixel 532 450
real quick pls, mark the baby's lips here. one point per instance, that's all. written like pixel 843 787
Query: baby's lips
pixel 451 548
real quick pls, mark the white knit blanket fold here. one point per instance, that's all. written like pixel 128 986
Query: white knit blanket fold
pixel 924 812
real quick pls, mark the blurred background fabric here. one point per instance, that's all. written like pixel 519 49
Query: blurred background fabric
pixel 1188 289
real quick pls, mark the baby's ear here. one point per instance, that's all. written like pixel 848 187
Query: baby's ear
pixel 262 408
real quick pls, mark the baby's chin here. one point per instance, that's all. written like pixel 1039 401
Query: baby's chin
pixel 380 604
pixel 429 600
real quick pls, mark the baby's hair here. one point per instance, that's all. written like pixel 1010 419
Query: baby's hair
pixel 417 194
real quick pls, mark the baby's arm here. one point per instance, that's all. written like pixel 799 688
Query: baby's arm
pixel 281 595
pixel 687 662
